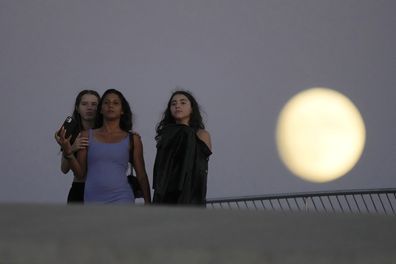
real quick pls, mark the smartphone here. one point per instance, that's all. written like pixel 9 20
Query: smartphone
pixel 71 127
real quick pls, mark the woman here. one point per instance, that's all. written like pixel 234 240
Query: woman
pixel 183 150
pixel 84 113
pixel 104 163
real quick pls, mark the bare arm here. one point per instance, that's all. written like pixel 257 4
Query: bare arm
pixel 81 142
pixel 77 165
pixel 205 137
pixel 65 167
pixel 64 163
pixel 140 168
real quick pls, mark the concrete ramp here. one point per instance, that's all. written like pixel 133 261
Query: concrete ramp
pixel 149 234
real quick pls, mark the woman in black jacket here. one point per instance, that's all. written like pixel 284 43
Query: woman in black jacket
pixel 183 150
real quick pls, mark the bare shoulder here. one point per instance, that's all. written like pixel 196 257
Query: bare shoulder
pixel 203 133
pixel 137 140
pixel 135 134
pixel 205 137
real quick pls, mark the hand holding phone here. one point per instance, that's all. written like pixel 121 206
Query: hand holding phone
pixel 71 127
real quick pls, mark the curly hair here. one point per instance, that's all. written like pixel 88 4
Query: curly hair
pixel 195 121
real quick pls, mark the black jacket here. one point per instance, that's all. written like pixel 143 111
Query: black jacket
pixel 181 166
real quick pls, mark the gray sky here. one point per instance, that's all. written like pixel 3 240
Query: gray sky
pixel 241 59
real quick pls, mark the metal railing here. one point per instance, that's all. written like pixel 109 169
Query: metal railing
pixel 371 201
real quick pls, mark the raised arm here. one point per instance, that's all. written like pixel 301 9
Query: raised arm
pixel 81 142
pixel 140 168
pixel 77 165
pixel 64 162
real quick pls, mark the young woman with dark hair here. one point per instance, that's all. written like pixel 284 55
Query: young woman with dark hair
pixel 183 150
pixel 104 163
pixel 84 113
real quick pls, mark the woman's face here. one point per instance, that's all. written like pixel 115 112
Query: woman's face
pixel 87 107
pixel 181 109
pixel 112 106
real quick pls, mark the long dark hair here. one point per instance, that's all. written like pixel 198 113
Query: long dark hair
pixel 195 122
pixel 77 115
pixel 126 117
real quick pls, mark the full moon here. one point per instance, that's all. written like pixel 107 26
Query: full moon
pixel 320 135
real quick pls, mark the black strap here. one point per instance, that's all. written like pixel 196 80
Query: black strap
pixel 131 147
pixel 133 181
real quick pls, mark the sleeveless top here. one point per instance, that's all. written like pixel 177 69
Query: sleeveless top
pixel 107 165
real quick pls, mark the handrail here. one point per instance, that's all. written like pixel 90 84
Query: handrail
pixel 371 201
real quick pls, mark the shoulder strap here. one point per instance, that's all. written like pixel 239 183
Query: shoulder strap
pixel 131 147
